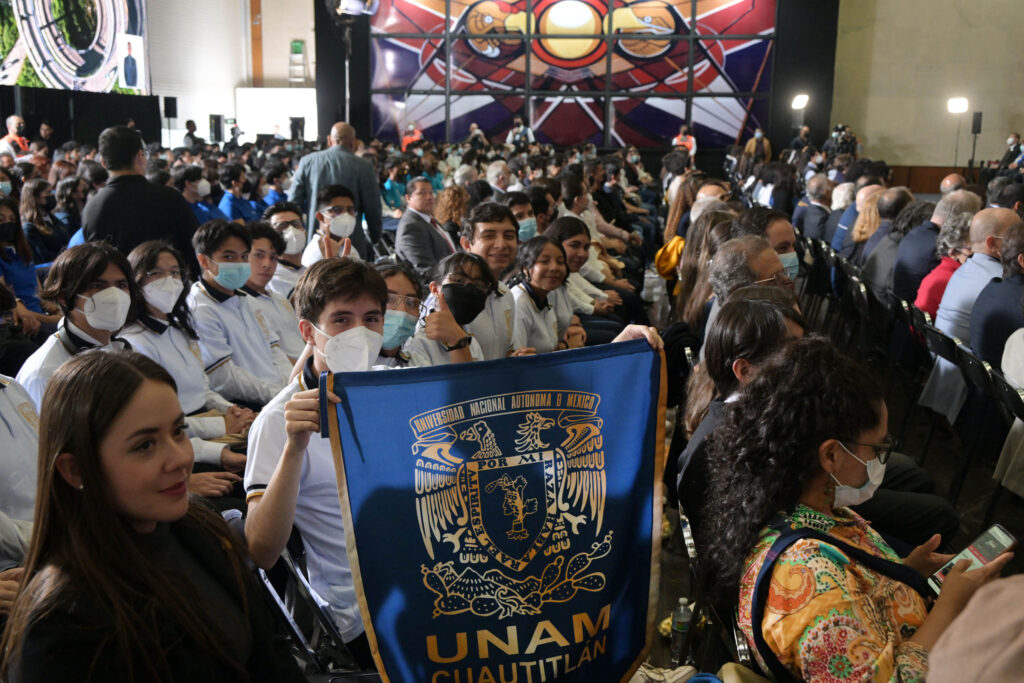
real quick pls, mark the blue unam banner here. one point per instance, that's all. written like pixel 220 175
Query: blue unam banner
pixel 503 520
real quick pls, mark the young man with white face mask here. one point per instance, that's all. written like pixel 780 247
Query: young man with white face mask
pixel 239 351
pixel 92 284
pixel 289 476
pixel 286 219
pixel 194 188
pixel 279 181
pixel 336 218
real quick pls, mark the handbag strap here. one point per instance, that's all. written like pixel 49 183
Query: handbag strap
pixel 787 537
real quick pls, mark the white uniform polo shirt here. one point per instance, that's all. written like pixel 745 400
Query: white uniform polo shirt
pixel 240 354
pixel 317 508
pixel 494 328
pixel 67 341
pixel 180 356
pixel 541 327
pixel 20 455
pixel 280 317
pixel 285 278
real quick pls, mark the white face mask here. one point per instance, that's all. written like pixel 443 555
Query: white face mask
pixel 286 184
pixel 854 495
pixel 203 188
pixel 264 190
pixel 353 350
pixel 107 309
pixel 163 294
pixel 343 225
pixel 294 240
pixel 1011 142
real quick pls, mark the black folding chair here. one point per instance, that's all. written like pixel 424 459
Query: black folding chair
pixel 1013 400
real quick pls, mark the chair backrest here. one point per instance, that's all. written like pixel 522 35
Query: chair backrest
pixel 1011 396
pixel 940 343
pixel 901 310
pixel 919 318
pixel 976 371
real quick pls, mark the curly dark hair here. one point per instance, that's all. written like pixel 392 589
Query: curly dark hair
pixel 765 449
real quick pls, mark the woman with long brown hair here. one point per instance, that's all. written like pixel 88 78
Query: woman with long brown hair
pixel 682 201
pixel 450 208
pixel 46 235
pixel 694 290
pixel 126 578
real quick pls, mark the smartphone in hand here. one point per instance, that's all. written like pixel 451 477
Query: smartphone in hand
pixel 985 548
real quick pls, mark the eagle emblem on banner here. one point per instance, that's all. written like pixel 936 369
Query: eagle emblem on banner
pixel 510 496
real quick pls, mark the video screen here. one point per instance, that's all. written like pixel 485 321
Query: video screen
pixel 88 45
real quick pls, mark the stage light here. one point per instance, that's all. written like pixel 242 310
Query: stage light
pixel 957 105
pixel 800 102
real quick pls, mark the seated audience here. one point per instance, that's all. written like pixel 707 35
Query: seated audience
pixel 195 189
pixel 814 218
pixel 843 196
pixel 543 313
pixel 118 543
pixel 279 181
pixel 421 239
pixel 405 298
pixel 235 202
pixel 946 391
pixel 272 308
pixel 953 245
pixel 694 295
pixel 878 269
pixel 807 438
pixel 286 219
pixel 289 476
pixel 240 355
pixel 774 227
pixel 864 226
pixel 459 292
pixel 46 236
pixel 522 210
pixel 595 310
pixel 70 193
pixel 93 287
pixel 336 224
pixel 163 331
pixel 890 203
pixel 996 313
pixel 916 256
pixel 19 273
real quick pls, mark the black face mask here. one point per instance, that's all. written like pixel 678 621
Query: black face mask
pixel 8 232
pixel 20 130
pixel 50 203
pixel 465 301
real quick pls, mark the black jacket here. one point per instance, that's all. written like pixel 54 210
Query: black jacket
pixel 692 480
pixel 813 221
pixel 131 210
pixel 74 642
pixel 995 316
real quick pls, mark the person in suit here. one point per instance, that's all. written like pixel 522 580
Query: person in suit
pixel 916 256
pixel 1013 151
pixel 997 312
pixel 131 69
pixel 815 216
pixel 421 240
pixel 877 271
pixel 338 165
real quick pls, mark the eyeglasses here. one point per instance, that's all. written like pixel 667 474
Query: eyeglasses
pixel 780 278
pixel 882 450
pixel 173 272
pixel 284 225
pixel 410 303
pixel 460 279
pixel 338 210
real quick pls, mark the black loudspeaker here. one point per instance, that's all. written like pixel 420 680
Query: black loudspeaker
pixel 976 124
pixel 170 107
pixel 216 128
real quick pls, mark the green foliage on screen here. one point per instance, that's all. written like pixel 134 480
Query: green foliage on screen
pixel 76 20
pixel 8 28
pixel 29 77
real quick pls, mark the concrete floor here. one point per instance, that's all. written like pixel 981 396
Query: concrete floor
pixel 942 463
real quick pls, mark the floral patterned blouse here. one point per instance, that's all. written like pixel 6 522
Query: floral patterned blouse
pixel 828 618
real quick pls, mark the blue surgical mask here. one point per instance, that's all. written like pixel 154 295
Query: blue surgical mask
pixel 527 228
pixel 232 275
pixel 791 262
pixel 759 135
pixel 398 326
pixel 5 187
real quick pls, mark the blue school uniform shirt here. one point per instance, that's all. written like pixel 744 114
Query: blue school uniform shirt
pixel 273 197
pixel 235 208
pixel 394 194
pixel 21 277
pixel 205 212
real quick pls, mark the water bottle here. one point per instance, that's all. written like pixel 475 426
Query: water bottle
pixel 681 617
